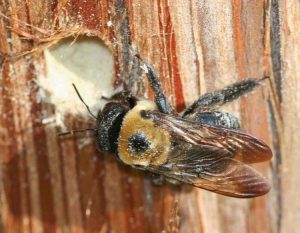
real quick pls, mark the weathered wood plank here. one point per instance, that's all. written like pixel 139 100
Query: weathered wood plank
pixel 50 184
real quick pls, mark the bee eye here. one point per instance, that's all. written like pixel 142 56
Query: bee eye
pixel 138 143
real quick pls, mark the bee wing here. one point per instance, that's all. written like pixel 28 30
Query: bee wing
pixel 241 146
pixel 212 158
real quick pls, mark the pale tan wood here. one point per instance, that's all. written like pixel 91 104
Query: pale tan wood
pixel 289 110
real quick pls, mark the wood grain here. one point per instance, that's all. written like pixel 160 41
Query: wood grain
pixel 50 184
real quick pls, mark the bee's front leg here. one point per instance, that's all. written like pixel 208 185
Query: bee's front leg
pixel 160 99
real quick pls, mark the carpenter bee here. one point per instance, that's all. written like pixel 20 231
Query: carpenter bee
pixel 202 146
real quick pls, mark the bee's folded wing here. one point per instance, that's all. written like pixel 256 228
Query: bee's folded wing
pixel 212 158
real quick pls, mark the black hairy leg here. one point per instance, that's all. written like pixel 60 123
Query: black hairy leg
pixel 215 99
pixel 160 99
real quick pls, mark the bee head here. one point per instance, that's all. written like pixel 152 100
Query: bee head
pixel 109 120
pixel 108 125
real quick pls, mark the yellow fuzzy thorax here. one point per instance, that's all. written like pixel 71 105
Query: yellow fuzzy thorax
pixel 159 138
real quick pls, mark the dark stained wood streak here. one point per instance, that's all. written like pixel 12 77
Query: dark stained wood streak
pixel 122 41
pixel 115 48
pixel 98 207
pixel 25 190
pixel 64 180
pixel 9 162
pixel 10 157
pixel 276 46
pixel 157 210
pixel 90 172
pixel 129 204
pixel 42 157
pixel 124 33
pixel 82 184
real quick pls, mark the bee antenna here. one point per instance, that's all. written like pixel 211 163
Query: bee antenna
pixel 87 107
pixel 72 132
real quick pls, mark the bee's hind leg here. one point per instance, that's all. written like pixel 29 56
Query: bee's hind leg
pixel 215 99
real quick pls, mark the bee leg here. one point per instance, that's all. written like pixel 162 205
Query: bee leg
pixel 159 180
pixel 124 97
pixel 217 98
pixel 156 179
pixel 160 99
pixel 173 181
pixel 215 118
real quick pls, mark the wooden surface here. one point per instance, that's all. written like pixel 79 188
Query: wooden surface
pixel 53 185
